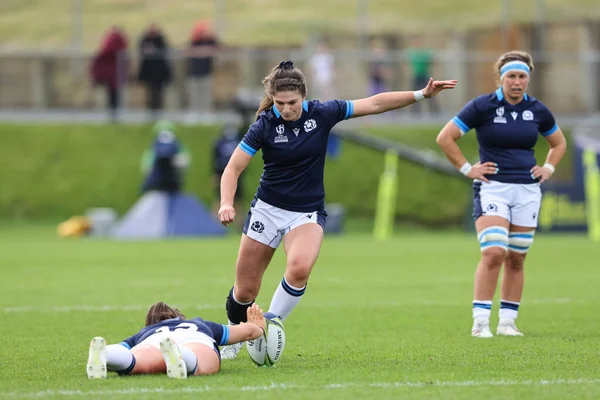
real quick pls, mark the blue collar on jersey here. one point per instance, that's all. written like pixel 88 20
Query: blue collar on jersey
pixel 278 115
pixel 500 95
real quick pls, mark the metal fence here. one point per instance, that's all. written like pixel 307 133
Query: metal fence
pixel 567 82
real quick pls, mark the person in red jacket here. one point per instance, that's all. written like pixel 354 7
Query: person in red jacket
pixel 110 67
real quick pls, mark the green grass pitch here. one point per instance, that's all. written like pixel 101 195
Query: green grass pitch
pixel 379 319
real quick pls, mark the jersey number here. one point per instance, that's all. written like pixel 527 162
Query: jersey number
pixel 184 326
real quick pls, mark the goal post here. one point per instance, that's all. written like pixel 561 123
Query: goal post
pixel 385 211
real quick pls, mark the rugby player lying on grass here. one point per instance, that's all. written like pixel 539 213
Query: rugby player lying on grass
pixel 173 344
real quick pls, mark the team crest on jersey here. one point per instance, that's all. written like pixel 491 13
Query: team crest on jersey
pixel 500 116
pixel 309 125
pixel 527 115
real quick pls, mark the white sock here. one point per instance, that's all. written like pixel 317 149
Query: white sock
pixel 285 299
pixel 482 309
pixel 190 359
pixel 119 358
pixel 509 310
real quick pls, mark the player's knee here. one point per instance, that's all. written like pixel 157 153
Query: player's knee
pixel 520 242
pixel 493 257
pixel 493 241
pixel 299 267
pixel 515 261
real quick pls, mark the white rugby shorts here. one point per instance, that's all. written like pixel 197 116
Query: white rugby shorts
pixel 515 202
pixel 268 224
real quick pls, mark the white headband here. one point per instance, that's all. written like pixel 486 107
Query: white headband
pixel 514 66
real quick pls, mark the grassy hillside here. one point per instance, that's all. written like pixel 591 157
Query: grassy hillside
pixel 58 171
pixel 25 23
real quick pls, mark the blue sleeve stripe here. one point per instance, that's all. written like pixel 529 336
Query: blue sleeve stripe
pixel 551 131
pixel 349 109
pixel 247 149
pixel 225 337
pixel 126 345
pixel 461 125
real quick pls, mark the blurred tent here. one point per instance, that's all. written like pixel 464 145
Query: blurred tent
pixel 160 215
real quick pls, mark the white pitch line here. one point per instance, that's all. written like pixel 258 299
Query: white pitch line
pixel 107 308
pixel 97 308
pixel 292 386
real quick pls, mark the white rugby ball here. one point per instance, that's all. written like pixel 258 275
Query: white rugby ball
pixel 267 349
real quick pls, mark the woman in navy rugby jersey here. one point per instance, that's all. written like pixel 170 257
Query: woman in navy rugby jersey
pixel 173 344
pixel 289 204
pixel 507 181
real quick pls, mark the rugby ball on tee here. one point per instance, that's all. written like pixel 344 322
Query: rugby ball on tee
pixel 267 349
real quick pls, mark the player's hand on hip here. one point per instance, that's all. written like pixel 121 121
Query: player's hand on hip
pixel 541 172
pixel 256 316
pixel 479 170
pixel 434 87
pixel 226 214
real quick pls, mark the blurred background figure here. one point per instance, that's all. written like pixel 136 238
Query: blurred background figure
pixel 165 162
pixel 201 52
pixel 379 70
pixel 155 68
pixel 223 148
pixel 421 63
pixel 110 68
pixel 321 66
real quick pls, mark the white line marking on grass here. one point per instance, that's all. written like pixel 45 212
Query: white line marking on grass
pixel 290 386
pixel 97 308
pixel 107 308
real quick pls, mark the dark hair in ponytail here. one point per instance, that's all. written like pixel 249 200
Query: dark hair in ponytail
pixel 161 311
pixel 284 77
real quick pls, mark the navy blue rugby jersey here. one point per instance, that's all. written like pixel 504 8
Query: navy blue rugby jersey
pixel 220 333
pixel 294 153
pixel 507 133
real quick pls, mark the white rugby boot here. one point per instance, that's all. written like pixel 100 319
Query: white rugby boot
pixel 171 353
pixel 481 328
pixel 231 351
pixel 96 364
pixel 507 327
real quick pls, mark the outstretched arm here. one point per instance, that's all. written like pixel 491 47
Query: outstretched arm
pixel 253 329
pixel 387 101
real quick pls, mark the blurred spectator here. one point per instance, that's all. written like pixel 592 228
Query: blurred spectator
pixel 378 68
pixel 155 68
pixel 165 162
pixel 110 67
pixel 201 52
pixel 421 62
pixel 223 148
pixel 321 69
